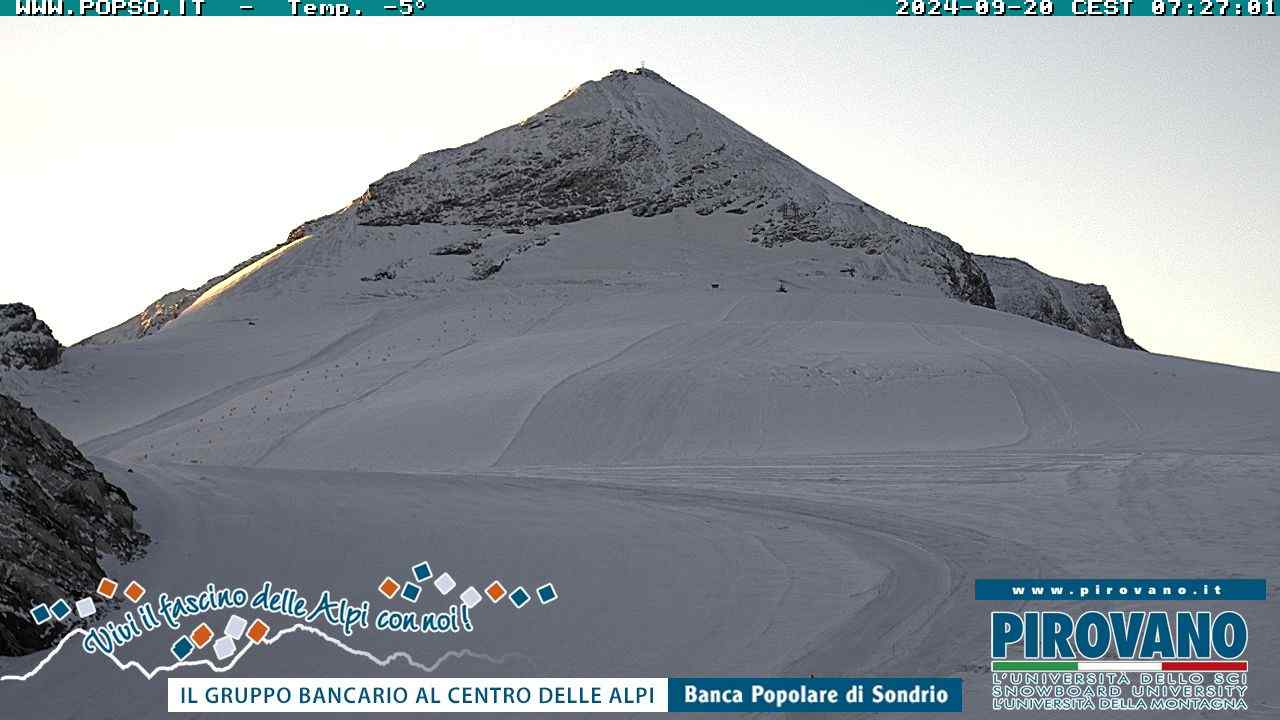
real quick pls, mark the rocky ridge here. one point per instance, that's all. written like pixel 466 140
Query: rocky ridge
pixel 60 515
pixel 1080 307
pixel 26 342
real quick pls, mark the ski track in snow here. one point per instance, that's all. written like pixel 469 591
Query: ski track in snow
pixel 110 441
pixel 377 387
pixel 568 379
pixel 299 627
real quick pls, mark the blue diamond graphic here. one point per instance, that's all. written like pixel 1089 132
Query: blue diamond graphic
pixel 519 597
pixel 422 572
pixel 60 609
pixel 40 614
pixel 411 592
pixel 182 648
pixel 547 593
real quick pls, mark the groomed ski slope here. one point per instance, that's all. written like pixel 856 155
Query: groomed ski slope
pixel 597 349
pixel 822 567
pixel 728 480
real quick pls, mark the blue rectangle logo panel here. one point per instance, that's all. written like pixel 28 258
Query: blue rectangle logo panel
pixel 1122 589
pixel 806 694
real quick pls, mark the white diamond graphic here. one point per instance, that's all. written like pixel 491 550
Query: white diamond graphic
pixel 224 648
pixel 235 627
pixel 445 583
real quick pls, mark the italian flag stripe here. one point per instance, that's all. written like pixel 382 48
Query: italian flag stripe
pixel 1193 665
pixel 1118 665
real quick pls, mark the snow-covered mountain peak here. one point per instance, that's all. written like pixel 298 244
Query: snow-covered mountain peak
pixel 638 178
pixel 622 82
pixel 634 143
pixel 629 141
pixel 677 122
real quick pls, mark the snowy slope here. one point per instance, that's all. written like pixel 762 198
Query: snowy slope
pixel 168 307
pixel 581 288
pixel 556 371
pixel 594 348
pixel 862 567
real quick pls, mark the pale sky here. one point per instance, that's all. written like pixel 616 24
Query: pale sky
pixel 137 157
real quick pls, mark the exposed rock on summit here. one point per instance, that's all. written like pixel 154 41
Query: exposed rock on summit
pixel 634 146
pixel 633 142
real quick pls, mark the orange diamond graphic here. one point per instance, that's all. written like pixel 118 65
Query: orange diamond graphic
pixel 495 591
pixel 389 588
pixel 135 591
pixel 201 635
pixel 258 630
pixel 107 588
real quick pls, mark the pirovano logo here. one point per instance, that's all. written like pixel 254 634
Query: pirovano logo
pixel 1184 638
pixel 1120 660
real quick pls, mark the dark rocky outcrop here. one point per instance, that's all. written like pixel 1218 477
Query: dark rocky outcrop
pixel 58 515
pixel 1087 309
pixel 25 341
pixel 462 247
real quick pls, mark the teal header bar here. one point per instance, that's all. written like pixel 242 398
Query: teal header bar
pixel 429 8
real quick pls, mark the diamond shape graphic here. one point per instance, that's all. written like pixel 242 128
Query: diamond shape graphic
pixel 202 635
pixel 41 614
pixel 224 648
pixel 470 597
pixel 85 607
pixel 495 591
pixel 547 594
pixel 135 591
pixel 235 627
pixel 107 588
pixel 388 588
pixel 422 572
pixel 411 592
pixel 258 630
pixel 182 648
pixel 445 584
pixel 60 609
pixel 519 597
